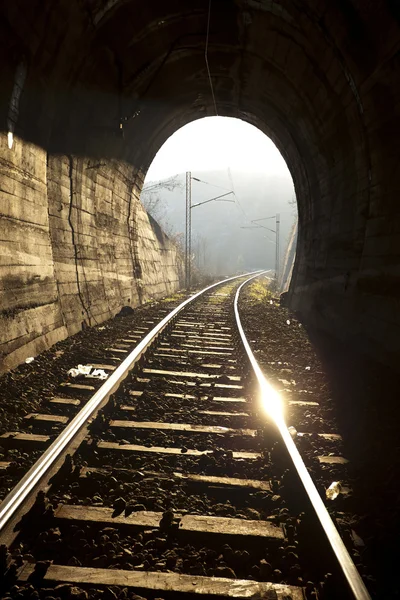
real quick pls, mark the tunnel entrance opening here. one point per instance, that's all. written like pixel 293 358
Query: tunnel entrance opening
pixel 239 192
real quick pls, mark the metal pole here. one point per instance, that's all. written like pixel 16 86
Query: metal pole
pixel 277 257
pixel 188 232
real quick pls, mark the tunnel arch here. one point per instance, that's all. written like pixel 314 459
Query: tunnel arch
pixel 232 155
pixel 313 76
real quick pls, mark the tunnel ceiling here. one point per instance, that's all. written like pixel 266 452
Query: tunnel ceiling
pixel 116 78
pixel 292 68
pixel 288 67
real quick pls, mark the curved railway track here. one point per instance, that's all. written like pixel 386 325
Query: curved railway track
pixel 178 478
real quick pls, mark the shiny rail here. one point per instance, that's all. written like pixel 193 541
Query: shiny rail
pixel 272 404
pixel 15 499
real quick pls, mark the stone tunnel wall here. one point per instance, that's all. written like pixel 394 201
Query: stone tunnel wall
pixel 77 245
pixel 320 78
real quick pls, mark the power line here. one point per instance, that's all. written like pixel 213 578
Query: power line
pixel 263 219
pixel 259 227
pixel 208 183
pixel 234 193
pixel 263 226
pixel 217 199
pixel 206 58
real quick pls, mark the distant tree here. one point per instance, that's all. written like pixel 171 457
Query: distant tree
pixel 170 184
pixel 153 201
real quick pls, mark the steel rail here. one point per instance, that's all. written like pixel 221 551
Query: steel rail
pixel 271 401
pixel 32 478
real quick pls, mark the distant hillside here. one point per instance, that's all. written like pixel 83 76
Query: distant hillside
pixel 220 245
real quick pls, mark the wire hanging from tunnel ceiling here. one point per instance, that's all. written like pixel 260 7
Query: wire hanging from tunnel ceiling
pixel 206 58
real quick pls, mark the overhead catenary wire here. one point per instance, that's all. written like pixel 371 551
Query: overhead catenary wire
pixel 208 183
pixel 263 226
pixel 206 58
pixel 263 219
pixel 235 196
pixel 259 227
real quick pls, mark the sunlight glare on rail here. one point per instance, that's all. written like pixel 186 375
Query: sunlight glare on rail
pixel 271 401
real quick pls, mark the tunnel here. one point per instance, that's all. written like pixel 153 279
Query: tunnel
pixel 90 91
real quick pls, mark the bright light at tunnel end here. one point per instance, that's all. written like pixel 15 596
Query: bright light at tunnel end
pixel 10 139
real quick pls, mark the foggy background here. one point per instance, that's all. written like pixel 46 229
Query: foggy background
pixel 231 154
pixel 219 244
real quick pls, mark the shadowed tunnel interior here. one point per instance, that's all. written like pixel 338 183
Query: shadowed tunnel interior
pixel 111 81
pixel 90 91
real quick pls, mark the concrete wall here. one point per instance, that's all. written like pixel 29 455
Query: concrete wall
pixel 76 246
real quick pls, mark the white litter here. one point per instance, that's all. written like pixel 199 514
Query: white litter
pixel 288 322
pixel 74 373
pixel 308 368
pixel 293 431
pixel 333 490
pixel 29 360
pixel 98 374
pixel 80 370
pixel 88 371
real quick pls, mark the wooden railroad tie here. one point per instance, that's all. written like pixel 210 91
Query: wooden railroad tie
pixel 218 587
pixel 193 524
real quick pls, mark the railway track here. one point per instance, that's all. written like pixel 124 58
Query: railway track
pixel 38 400
pixel 173 481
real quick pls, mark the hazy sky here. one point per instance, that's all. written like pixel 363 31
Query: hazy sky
pixel 214 143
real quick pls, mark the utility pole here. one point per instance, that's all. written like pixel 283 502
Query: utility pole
pixel 189 206
pixel 188 231
pixel 277 251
